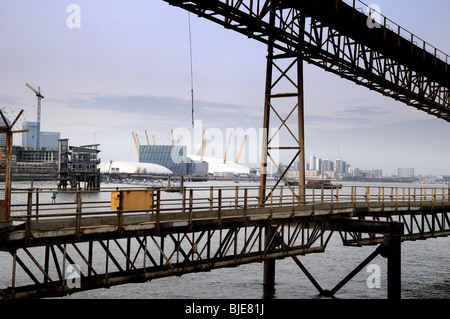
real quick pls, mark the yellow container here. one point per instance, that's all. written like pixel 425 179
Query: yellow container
pixel 132 200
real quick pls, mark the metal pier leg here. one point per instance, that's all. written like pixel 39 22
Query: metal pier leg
pixel 269 266
pixel 393 252
pixel 269 275
pixel 266 121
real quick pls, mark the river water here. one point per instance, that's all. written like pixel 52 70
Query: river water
pixel 425 273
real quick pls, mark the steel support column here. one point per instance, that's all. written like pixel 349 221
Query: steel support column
pixel 301 120
pixel 266 119
pixel 5 204
pixel 5 211
pixel 284 98
pixel 269 265
pixel 389 249
pixel 393 255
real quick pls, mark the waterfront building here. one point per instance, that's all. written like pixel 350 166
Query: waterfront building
pixel 77 164
pixel 25 155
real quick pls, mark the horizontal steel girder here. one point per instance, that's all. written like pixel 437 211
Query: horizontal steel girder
pixel 338 39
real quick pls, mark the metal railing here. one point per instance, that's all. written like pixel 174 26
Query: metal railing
pixel 48 203
pixel 50 209
pixel 394 27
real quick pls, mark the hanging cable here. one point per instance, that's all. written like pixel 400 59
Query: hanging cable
pixel 192 73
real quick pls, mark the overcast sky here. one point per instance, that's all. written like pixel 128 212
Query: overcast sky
pixel 127 68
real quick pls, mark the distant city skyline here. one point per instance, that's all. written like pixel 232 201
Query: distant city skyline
pixel 401 171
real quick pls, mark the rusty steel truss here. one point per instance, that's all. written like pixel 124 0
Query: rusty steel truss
pixel 68 266
pixel 336 36
pixel 85 246
pixel 107 262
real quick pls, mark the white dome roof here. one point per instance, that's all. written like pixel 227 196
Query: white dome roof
pixel 216 165
pixel 133 168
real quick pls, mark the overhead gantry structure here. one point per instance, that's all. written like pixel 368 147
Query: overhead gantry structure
pixel 338 37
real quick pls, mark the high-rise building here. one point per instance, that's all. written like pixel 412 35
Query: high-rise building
pixel 340 166
pixel 48 140
pixel 29 138
pixel 312 163
pixel 405 172
pixel 356 172
pixel 328 165
pixel 319 165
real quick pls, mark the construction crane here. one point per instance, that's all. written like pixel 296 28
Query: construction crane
pixel 38 128
pixel 240 150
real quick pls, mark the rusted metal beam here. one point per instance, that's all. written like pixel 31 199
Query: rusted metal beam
pixel 389 249
pixel 308 275
pixel 224 256
pixel 355 271
pixel 340 41
pixel 366 226
pixel 5 211
pixel 5 204
pixel 393 255
pixel 269 265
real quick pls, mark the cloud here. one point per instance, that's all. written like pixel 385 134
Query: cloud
pixel 353 117
pixel 164 110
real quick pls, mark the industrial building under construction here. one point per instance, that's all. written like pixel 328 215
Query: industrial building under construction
pixel 173 157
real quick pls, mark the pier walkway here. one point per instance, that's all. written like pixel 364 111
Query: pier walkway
pixel 177 231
